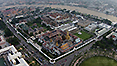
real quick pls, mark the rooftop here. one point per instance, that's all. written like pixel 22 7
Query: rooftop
pixel 60 40
pixel 14 57
pixel 115 34
pixel 104 25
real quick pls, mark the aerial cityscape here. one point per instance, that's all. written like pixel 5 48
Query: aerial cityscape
pixel 58 33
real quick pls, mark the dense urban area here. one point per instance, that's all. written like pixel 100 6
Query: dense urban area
pixel 43 33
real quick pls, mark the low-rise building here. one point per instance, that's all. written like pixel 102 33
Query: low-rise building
pixel 114 36
pixel 14 57
pixel 91 27
pixel 2 41
pixel 100 31
pixel 84 23
pixel 58 41
pixel 19 16
pixel 103 25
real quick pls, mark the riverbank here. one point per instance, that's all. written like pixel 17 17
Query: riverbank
pixel 79 9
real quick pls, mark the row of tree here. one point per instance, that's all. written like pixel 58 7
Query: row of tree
pixel 8 33
pixel 2 25
pixel 105 44
pixel 14 41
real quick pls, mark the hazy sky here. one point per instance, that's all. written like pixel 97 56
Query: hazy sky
pixel 56 0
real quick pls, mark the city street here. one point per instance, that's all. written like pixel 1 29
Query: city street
pixel 23 42
pixel 71 56
pixel 65 61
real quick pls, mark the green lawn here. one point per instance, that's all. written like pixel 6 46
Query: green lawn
pixel 83 36
pixel 39 25
pixel 99 61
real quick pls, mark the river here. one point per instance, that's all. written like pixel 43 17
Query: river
pixel 82 10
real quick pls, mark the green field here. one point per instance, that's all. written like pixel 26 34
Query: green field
pixel 83 36
pixel 99 61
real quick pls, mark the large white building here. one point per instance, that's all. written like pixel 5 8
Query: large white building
pixel 19 16
pixel 66 27
pixel 91 27
pixel 103 25
pixel 14 57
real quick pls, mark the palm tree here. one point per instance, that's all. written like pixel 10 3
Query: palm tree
pixel 33 62
pixel 23 56
pixel 20 48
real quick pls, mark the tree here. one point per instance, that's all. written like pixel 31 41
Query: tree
pixel 107 21
pixel 13 41
pixel 37 9
pixel 63 37
pixel 68 11
pixel 31 34
pixel 8 33
pixel 73 12
pixel 38 20
pixel 0 47
pixel 2 25
pixel 115 25
pixel 64 9
pixel 107 12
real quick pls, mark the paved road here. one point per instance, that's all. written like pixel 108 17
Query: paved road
pixel 30 49
pixel 65 61
pixel 71 56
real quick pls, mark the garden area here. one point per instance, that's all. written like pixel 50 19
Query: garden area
pixel 38 24
pixel 105 44
pixel 83 35
pixel 2 25
pixel 99 61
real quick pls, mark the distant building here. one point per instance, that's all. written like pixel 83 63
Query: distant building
pixel 84 23
pixel 58 17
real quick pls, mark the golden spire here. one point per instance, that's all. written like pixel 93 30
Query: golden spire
pixel 20 48
pixel 67 36
pixel 50 40
pixel 57 44
pixel 23 56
